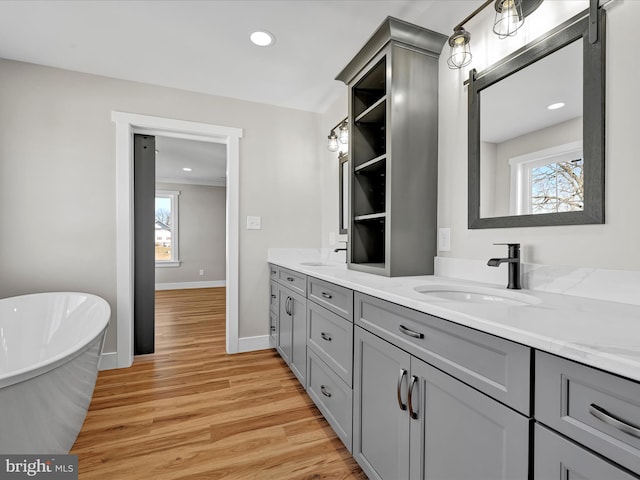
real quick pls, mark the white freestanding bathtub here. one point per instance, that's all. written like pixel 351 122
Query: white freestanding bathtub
pixel 50 344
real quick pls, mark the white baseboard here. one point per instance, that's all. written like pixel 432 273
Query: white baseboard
pixel 250 344
pixel 108 361
pixel 183 285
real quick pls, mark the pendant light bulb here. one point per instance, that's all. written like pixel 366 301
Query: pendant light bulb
pixel 460 55
pixel 332 146
pixel 343 136
pixel 509 17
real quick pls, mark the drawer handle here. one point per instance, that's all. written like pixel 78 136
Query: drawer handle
pixel 410 333
pixel 327 295
pixel 290 279
pixel 273 272
pixel 325 336
pixel 273 296
pixel 412 413
pixel 324 391
pixel 403 373
pixel 622 425
pixel 273 328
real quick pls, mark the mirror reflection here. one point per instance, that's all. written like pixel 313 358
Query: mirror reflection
pixel 531 145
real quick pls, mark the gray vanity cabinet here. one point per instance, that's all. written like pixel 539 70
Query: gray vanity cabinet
pixel 557 458
pixel 380 426
pixel 592 408
pixel 292 335
pixel 413 421
pixel 460 433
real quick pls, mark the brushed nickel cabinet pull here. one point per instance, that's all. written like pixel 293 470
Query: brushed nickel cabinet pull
pixel 325 336
pixel 403 373
pixel 327 295
pixel 412 413
pixel 290 279
pixel 324 391
pixel 616 422
pixel 410 333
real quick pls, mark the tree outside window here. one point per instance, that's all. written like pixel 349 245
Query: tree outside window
pixel 166 228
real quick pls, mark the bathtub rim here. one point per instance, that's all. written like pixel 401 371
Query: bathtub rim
pixel 10 378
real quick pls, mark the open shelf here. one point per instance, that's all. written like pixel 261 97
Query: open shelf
pixel 370 89
pixel 376 113
pixel 369 241
pixel 369 190
pixel 370 165
pixel 371 216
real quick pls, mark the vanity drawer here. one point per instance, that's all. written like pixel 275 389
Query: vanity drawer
pixel 273 271
pixel 597 409
pixel 273 296
pixel 557 458
pixel 334 297
pixel 331 395
pixel 331 338
pixel 498 367
pixel 294 280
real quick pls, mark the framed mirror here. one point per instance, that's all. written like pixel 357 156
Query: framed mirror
pixel 537 133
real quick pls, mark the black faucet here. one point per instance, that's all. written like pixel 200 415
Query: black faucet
pixel 514 264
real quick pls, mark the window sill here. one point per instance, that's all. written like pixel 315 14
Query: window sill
pixel 167 264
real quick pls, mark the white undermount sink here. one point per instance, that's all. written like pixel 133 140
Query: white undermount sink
pixel 477 295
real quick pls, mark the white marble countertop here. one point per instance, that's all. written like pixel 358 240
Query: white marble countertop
pixel 598 333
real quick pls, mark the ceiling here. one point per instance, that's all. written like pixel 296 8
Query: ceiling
pixel 203 46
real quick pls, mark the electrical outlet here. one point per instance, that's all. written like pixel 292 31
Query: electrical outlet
pixel 444 239
pixel 202 272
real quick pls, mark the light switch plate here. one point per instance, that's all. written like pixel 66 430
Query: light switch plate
pixel 444 239
pixel 254 223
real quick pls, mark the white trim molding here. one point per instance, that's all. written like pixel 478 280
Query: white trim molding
pixel 128 124
pixel 108 361
pixel 185 285
pixel 251 344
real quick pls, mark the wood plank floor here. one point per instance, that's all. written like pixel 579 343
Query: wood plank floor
pixel 190 411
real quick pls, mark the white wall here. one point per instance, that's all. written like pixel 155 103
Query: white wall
pixel 612 245
pixel 57 174
pixel 202 231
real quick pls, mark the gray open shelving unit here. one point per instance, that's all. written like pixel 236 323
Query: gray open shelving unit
pixel 393 145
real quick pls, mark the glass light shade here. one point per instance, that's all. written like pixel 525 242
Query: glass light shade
pixel 343 136
pixel 509 17
pixel 332 146
pixel 460 55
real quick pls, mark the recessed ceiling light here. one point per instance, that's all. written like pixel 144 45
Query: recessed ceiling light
pixel 262 38
pixel 555 106
pixel 186 169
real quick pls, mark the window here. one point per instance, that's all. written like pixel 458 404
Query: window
pixel 548 181
pixel 166 233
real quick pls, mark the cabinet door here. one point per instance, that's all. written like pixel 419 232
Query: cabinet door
pixel 298 363
pixel 285 323
pixel 462 434
pixel 380 426
pixel 557 458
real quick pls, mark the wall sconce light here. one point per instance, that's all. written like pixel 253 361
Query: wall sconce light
pixel 342 136
pixel 510 15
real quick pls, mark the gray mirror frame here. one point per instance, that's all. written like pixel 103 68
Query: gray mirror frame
pixel 593 123
pixel 342 159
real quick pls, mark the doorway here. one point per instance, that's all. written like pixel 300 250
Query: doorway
pixel 127 125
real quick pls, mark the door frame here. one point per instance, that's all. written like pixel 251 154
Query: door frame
pixel 126 125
